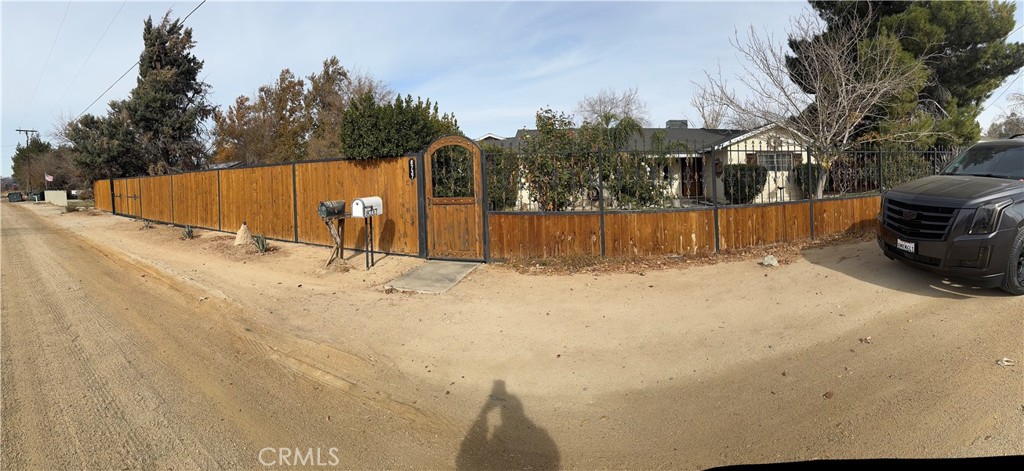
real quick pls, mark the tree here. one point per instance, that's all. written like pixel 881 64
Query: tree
pixel 373 130
pixel 1010 123
pixel 557 170
pixel 626 104
pixel 845 81
pixel 26 160
pixel 712 112
pixel 160 126
pixel 325 102
pixel 39 158
pixel 293 119
pixel 169 104
pixel 104 147
pixel 963 46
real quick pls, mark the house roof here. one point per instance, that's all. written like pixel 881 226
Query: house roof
pixel 490 137
pixel 754 132
pixel 224 165
pixel 696 139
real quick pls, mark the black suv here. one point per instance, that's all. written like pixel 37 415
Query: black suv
pixel 966 223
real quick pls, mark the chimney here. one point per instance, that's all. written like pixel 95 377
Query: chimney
pixel 677 124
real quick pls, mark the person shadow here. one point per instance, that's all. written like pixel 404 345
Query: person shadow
pixel 513 443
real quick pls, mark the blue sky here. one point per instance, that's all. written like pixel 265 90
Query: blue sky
pixel 492 64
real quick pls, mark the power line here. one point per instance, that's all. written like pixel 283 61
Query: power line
pixel 47 61
pixel 1007 87
pixel 130 68
pixel 116 14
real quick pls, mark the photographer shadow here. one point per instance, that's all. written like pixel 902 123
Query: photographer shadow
pixel 513 442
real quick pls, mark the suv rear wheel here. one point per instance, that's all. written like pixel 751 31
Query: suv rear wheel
pixel 1013 281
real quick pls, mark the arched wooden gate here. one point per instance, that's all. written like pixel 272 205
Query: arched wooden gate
pixel 454 199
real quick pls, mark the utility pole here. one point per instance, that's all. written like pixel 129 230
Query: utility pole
pixel 28 137
pixel 28 134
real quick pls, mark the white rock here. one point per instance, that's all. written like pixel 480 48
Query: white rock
pixel 243 236
pixel 770 261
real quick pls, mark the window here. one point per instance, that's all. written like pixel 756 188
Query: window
pixel 781 162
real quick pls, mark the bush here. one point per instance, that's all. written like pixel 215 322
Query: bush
pixel 502 178
pixel 743 182
pixel 85 195
pixel 901 167
pixel 800 178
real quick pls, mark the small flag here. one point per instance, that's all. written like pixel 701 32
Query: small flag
pixel 49 177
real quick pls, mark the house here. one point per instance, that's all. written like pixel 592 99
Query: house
pixel 692 155
pixel 775 147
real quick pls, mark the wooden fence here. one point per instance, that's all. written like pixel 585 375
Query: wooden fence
pixel 674 232
pixel 280 201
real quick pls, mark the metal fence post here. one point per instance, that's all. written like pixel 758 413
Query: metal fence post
pixel 113 204
pixel 600 197
pixel 220 212
pixel 714 199
pixel 486 205
pixel 881 178
pixel 295 207
pixel 172 197
pixel 813 186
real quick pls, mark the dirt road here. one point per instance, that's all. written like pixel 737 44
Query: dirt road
pixel 127 347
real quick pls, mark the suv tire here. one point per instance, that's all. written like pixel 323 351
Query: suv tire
pixel 1013 281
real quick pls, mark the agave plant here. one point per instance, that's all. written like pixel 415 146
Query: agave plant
pixel 261 243
pixel 187 233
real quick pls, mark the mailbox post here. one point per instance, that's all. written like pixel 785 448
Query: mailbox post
pixel 367 208
pixel 334 212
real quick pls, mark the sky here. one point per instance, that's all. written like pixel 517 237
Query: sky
pixel 493 64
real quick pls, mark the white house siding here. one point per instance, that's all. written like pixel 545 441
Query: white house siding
pixel 764 148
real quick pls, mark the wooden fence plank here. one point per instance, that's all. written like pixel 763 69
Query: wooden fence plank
pixel 155 198
pixel 195 200
pixel 396 231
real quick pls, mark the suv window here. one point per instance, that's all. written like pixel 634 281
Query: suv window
pixel 995 160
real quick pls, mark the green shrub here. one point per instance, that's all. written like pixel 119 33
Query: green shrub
pixel 800 178
pixel 502 177
pixel 901 167
pixel 187 233
pixel 743 182
pixel 261 243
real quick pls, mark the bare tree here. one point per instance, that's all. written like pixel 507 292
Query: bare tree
pixel 360 82
pixel 1011 121
pixel 626 104
pixel 848 78
pixel 712 112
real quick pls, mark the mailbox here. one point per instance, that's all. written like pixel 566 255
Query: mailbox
pixel 331 209
pixel 367 207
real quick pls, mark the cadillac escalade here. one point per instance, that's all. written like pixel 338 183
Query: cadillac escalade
pixel 966 223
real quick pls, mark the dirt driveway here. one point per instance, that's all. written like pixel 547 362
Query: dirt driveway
pixel 124 346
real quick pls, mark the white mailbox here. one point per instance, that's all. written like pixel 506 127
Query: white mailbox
pixel 367 207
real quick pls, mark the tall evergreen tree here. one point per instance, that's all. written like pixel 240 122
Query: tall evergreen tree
pixel 169 103
pixel 964 46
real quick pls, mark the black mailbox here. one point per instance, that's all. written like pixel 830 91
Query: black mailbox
pixel 331 209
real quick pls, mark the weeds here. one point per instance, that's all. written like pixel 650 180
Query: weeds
pixel 187 233
pixel 146 224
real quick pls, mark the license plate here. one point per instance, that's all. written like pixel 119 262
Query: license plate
pixel 904 245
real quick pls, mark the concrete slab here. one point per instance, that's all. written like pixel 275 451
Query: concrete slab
pixel 433 277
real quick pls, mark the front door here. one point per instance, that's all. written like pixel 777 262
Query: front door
pixel 454 199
